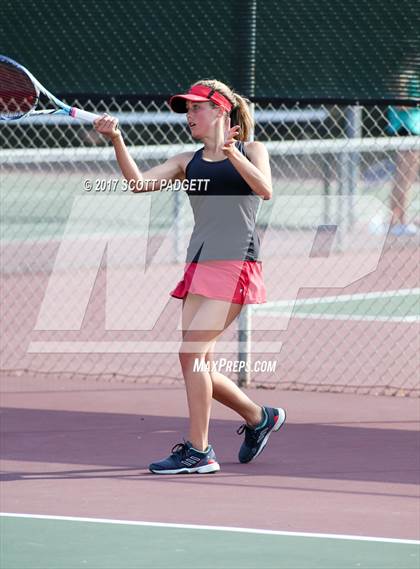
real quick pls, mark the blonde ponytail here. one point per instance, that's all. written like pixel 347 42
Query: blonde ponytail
pixel 240 114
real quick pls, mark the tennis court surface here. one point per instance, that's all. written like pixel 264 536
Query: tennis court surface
pixel 337 487
pixel 105 543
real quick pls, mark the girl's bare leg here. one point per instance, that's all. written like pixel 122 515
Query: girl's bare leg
pixel 226 391
pixel 199 314
pixel 407 169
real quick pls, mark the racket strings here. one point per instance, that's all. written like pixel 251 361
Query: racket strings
pixel 18 95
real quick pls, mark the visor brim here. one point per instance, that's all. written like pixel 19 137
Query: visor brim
pixel 178 103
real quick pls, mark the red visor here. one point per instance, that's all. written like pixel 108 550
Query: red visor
pixel 199 94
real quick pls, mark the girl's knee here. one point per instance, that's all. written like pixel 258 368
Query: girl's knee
pixel 188 353
pixel 183 355
pixel 195 347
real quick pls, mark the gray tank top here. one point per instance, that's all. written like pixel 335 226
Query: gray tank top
pixel 225 212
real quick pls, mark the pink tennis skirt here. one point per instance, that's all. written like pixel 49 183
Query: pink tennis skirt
pixel 240 282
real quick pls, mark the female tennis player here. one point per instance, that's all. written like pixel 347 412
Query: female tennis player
pixel 223 270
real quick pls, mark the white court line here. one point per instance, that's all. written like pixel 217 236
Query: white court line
pixel 317 316
pixel 339 298
pixel 82 237
pixel 274 308
pixel 214 528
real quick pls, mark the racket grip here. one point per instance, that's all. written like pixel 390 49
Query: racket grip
pixel 83 115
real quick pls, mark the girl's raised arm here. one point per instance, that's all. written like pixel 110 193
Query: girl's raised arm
pixel 172 169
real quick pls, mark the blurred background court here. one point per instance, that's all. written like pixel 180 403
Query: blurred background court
pixel 343 312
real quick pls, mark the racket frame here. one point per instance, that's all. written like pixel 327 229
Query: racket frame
pixel 63 109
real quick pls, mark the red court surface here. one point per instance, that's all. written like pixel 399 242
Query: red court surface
pixel 343 464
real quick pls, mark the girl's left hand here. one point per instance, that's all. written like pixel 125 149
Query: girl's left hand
pixel 229 144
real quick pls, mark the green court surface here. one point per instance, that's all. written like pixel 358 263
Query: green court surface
pixel 38 202
pixel 37 205
pixel 392 306
pixel 69 543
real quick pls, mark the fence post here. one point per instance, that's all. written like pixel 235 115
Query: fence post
pixel 179 245
pixel 245 84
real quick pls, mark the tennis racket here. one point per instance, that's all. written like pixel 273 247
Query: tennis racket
pixel 20 93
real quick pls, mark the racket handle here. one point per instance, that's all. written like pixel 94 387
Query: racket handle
pixel 83 115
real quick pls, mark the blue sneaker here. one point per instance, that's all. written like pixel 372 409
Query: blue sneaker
pixel 404 230
pixel 185 459
pixel 256 438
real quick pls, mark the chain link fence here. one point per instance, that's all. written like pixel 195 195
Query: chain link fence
pixel 87 266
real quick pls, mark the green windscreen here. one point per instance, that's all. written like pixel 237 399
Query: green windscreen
pixel 305 49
